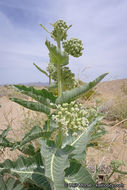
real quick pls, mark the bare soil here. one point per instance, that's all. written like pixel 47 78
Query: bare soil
pixel 112 146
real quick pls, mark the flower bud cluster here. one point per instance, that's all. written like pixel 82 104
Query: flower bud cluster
pixel 71 117
pixel 60 30
pixel 73 47
pixel 51 68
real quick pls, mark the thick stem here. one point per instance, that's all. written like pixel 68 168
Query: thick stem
pixel 59 138
pixel 59 78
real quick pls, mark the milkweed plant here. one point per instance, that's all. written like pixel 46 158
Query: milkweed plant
pixel 58 163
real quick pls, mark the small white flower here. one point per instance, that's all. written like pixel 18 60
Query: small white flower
pixel 61 109
pixel 80 127
pixel 78 123
pixel 65 104
pixel 53 117
pixel 72 103
pixel 58 106
pixel 73 123
pixel 69 114
pixel 76 106
pixel 66 112
pixel 77 109
pixel 74 134
pixel 60 113
pixel 83 112
pixel 72 109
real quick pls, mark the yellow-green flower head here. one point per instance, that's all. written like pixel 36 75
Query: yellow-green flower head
pixel 60 30
pixel 73 47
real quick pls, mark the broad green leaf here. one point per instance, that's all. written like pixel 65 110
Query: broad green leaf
pixel 23 146
pixel 35 133
pixel 27 149
pixel 81 142
pixel 79 176
pixel 43 96
pixel 44 72
pixel 60 171
pixel 36 106
pixel 55 161
pixel 70 95
pixel 27 169
pixel 11 184
pixel 56 56
pixel 4 142
pixel 2 184
pixel 5 132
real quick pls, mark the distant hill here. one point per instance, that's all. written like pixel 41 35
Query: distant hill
pixel 114 87
pixel 36 84
pixel 29 84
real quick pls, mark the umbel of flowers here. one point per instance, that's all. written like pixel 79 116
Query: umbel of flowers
pixel 60 30
pixel 73 47
pixel 71 117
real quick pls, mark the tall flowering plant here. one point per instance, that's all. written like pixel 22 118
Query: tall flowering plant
pixel 58 164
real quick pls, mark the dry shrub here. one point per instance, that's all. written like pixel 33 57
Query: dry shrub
pixel 116 109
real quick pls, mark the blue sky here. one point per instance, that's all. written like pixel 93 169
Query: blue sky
pixel 100 24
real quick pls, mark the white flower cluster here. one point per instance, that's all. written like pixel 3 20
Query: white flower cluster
pixel 73 47
pixel 60 30
pixel 71 117
pixel 51 68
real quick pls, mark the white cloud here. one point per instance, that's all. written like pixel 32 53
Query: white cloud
pixel 100 24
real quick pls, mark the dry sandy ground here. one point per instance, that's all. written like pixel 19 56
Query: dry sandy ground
pixel 13 115
pixel 116 139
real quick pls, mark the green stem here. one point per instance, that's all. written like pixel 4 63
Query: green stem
pixel 59 78
pixel 121 172
pixel 60 138
pixel 110 176
pixel 48 125
pixel 49 80
pixel 117 171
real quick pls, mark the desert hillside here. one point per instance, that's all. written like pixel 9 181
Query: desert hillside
pixel 113 88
